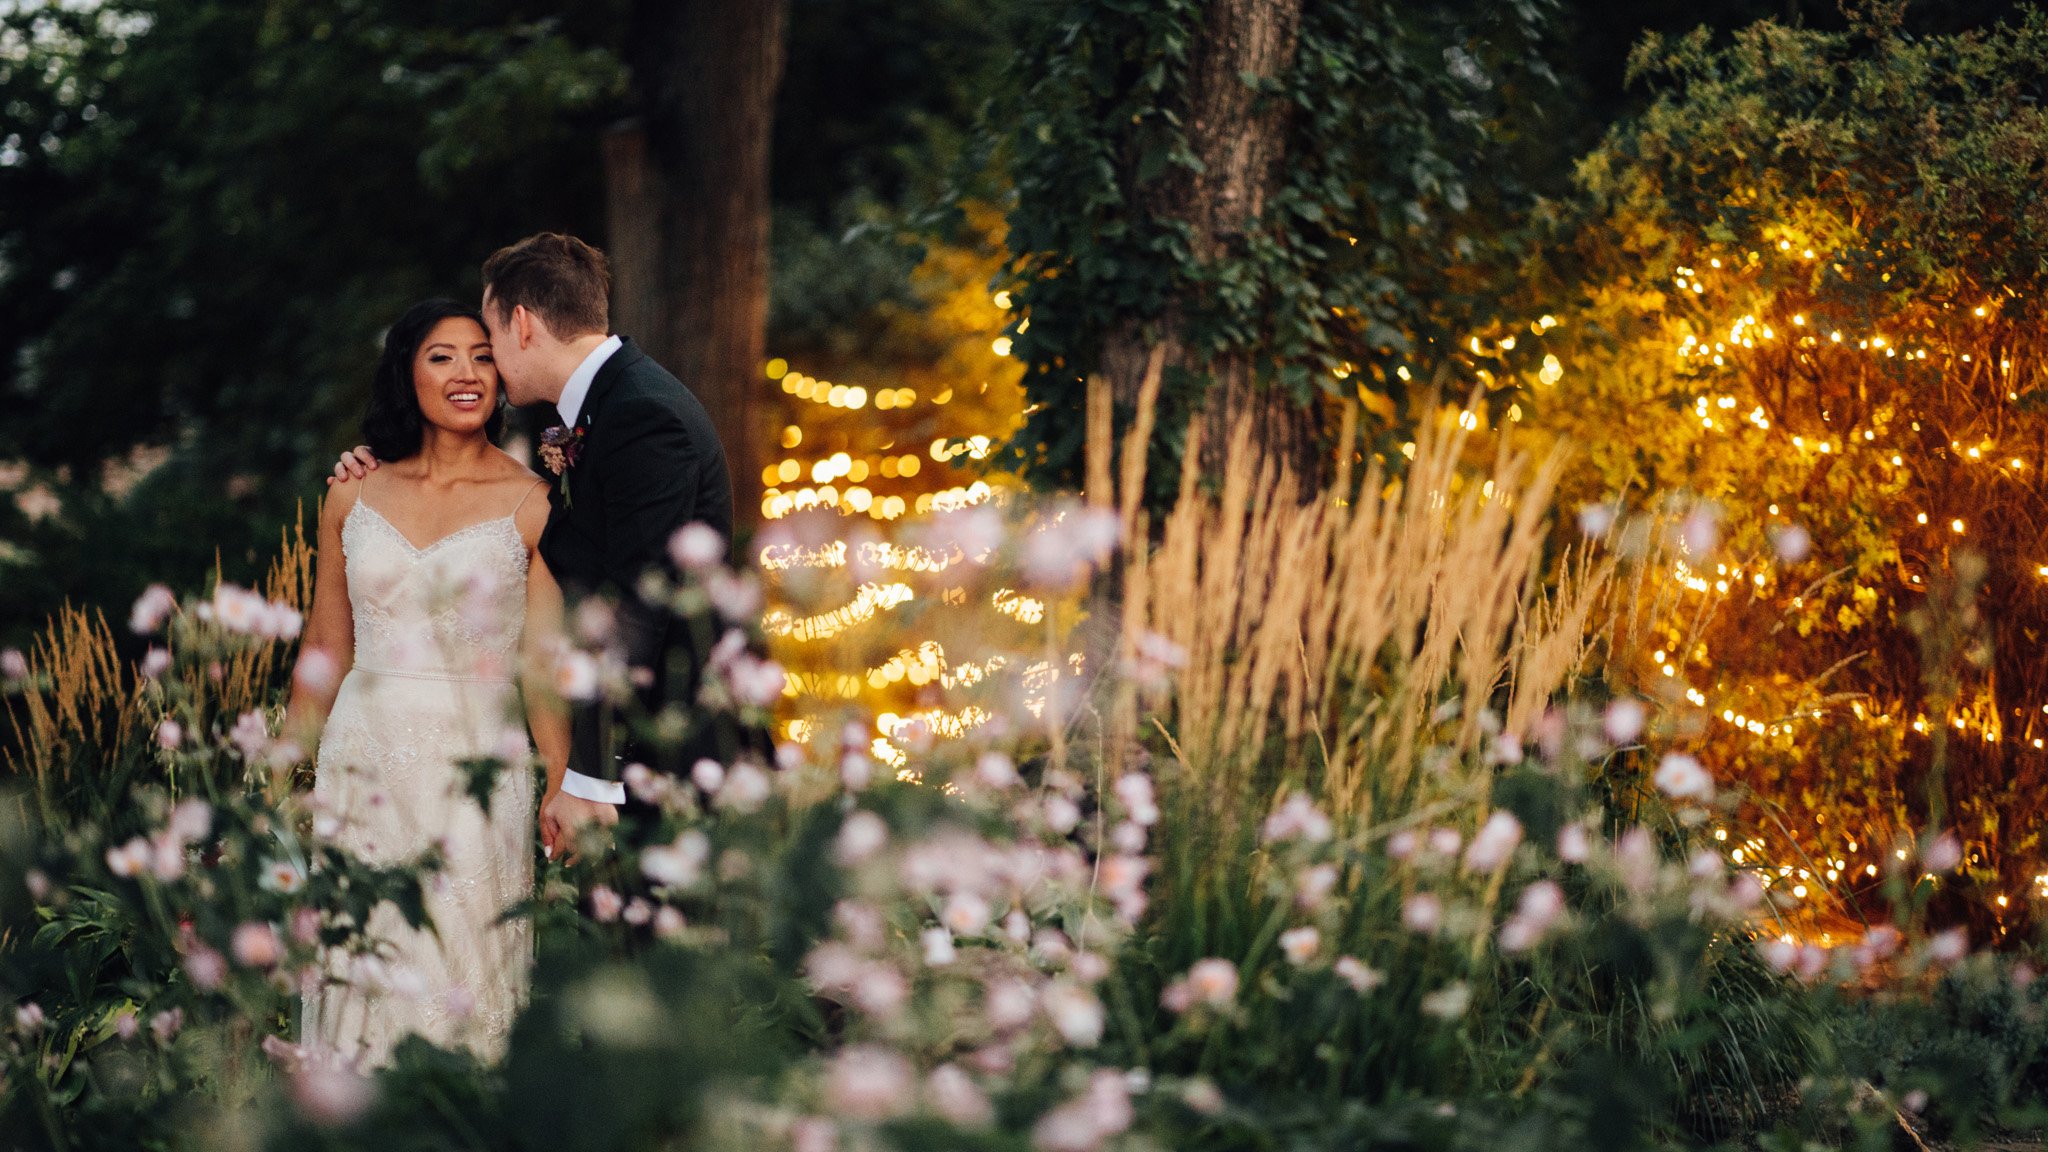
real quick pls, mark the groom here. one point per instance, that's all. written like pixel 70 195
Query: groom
pixel 642 460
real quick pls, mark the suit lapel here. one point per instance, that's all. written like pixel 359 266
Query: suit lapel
pixel 562 508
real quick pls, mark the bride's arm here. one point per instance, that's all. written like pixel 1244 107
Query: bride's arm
pixel 547 714
pixel 327 646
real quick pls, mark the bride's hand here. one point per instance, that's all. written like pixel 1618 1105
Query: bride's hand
pixel 562 818
pixel 354 464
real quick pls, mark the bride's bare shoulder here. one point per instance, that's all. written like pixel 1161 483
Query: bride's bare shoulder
pixel 514 470
pixel 340 500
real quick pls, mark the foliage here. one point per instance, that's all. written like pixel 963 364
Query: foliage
pixel 208 213
pixel 1398 206
pixel 1810 299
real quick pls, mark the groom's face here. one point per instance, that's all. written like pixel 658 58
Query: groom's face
pixel 514 362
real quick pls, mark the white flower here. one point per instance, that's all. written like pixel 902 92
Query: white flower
pixel 1403 844
pixel 696 546
pixel 869 1082
pixel 155 663
pixel 1082 1124
pixel 1009 1004
pixel 1700 531
pixel 169 734
pixel 1445 841
pixel 938 947
pixel 813 1134
pixel 167 857
pixel 759 683
pixel 207 968
pixel 1300 944
pixel 151 609
pixel 856 770
pixel 1495 844
pixel 1539 908
pixel 1680 777
pixel 1448 1002
pixel 1061 814
pixel 1355 973
pixel 668 923
pixel 240 610
pixel 13 665
pixel 28 1018
pixel 1596 519
pixel 165 1025
pixel 282 876
pixel 1623 720
pixel 1135 790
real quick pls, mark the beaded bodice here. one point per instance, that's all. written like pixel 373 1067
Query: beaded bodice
pixel 453 609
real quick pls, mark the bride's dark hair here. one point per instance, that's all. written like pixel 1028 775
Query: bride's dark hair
pixel 393 425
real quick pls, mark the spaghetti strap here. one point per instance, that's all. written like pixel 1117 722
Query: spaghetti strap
pixel 537 485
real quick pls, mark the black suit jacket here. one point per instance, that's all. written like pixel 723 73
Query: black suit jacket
pixel 651 462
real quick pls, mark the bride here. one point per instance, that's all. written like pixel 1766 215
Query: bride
pixel 429 594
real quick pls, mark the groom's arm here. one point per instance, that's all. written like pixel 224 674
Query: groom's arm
pixel 646 467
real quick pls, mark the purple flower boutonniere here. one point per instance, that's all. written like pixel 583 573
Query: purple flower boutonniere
pixel 560 448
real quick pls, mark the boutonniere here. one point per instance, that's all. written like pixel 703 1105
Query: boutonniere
pixel 560 448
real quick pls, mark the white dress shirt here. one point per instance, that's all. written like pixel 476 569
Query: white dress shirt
pixel 571 407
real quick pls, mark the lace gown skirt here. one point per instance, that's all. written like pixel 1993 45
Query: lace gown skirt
pixel 436 631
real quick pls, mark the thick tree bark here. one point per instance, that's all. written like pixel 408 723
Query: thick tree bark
pixel 687 200
pixel 1240 137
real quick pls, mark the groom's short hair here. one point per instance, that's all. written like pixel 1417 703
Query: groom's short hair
pixel 555 276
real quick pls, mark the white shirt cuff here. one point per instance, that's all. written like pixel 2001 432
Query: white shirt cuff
pixel 590 788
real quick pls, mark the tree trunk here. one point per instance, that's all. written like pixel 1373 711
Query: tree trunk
pixel 1240 137
pixel 687 201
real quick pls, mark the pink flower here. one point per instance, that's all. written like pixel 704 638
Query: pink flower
pixel 1422 913
pixel 330 1093
pixel 1297 818
pixel 1792 543
pixel 759 683
pixel 880 991
pixel 125 1024
pixel 576 675
pixel 1315 885
pixel 1009 1004
pixel 1300 944
pixel 166 1024
pixel 1538 909
pixel 695 547
pixel 1700 532
pixel 255 945
pixel 1445 841
pixel 1213 982
pixel 868 1082
pixel 1082 1124
pixel 1635 854
pixel 28 1018
pixel 1680 777
pixel 863 835
pixel 1134 789
pixel 605 904
pixel 746 788
pixel 1779 954
pixel 966 914
pixel 955 1096
pixel 207 968
pixel 129 860
pixel 1495 844
pixel 668 923
pixel 251 735
pixel 813 1134
pixel 282 876
pixel 736 596
pixel 151 609
pixel 1948 947
pixel 169 734
pixel 1944 854
pixel 1623 720
pixel 675 865
pixel 1573 846
pixel 166 857
pixel 1403 844
pixel 1075 1013
pixel 317 670
pixel 995 770
pixel 155 663
pixel 305 925
pixel 1354 972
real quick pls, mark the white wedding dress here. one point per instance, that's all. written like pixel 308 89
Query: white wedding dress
pixel 437 633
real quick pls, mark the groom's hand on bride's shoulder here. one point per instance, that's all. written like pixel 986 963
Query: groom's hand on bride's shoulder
pixel 354 464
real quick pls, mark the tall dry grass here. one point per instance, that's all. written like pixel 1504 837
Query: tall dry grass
pixel 89 706
pixel 1331 637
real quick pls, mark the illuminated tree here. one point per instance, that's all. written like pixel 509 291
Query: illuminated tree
pixel 1816 269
